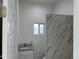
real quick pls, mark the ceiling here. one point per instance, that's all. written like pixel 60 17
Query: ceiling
pixel 42 1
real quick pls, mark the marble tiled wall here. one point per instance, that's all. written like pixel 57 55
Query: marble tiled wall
pixel 59 35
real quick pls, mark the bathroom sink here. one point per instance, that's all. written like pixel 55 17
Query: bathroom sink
pixel 26 49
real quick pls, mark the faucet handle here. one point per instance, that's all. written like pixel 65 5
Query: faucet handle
pixel 24 44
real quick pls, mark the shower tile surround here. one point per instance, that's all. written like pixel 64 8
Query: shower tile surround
pixel 59 36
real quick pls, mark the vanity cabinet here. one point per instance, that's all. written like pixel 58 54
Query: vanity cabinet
pixel 25 54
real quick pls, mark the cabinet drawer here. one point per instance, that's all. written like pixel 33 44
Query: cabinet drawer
pixel 25 55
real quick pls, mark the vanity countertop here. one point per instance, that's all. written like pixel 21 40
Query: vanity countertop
pixel 26 49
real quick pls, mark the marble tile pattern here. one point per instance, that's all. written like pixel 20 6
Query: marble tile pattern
pixel 59 37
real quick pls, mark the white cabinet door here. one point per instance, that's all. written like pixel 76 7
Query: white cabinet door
pixel 25 55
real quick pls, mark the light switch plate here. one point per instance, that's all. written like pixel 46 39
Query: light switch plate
pixel 2 10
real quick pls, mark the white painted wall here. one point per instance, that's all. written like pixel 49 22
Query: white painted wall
pixel 10 49
pixel 5 31
pixel 64 7
pixel 28 16
pixel 31 13
pixel 76 30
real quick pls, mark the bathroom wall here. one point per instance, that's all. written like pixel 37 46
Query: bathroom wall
pixel 63 7
pixel 35 13
pixel 23 18
pixel 30 13
pixel 9 43
pixel 76 30
pixel 5 31
pixel 12 14
pixel 59 37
